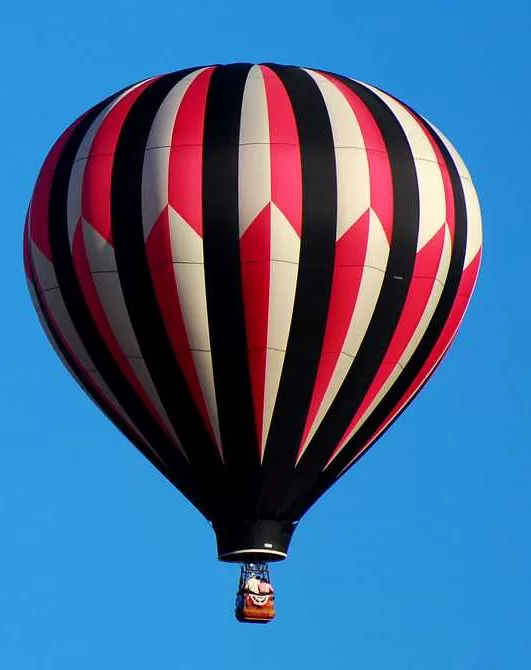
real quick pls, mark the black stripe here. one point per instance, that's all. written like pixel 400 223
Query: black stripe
pixel 428 341
pixel 224 289
pixel 139 292
pixel 84 324
pixel 314 283
pixel 388 308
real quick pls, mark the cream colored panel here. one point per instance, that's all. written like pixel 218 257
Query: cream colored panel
pixel 55 306
pixel 474 231
pixel 352 165
pixel 275 362
pixel 155 174
pixel 254 186
pixel 100 252
pixel 44 270
pixel 371 284
pixel 343 365
pixel 157 154
pixel 162 127
pixel 109 290
pixel 205 373
pixel 75 187
pixel 189 271
pixel 432 201
pixel 285 249
pixel 186 244
pixel 377 245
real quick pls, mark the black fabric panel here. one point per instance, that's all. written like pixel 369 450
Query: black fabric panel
pixel 429 340
pixel 139 292
pixel 314 283
pixel 254 541
pixel 84 324
pixel 388 309
pixel 224 288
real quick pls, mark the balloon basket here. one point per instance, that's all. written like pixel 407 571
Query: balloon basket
pixel 255 600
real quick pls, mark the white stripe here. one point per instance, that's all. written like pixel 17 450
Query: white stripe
pixel 44 270
pixel 254 168
pixel 189 271
pixel 155 171
pixel 474 233
pixel 285 250
pixel 352 165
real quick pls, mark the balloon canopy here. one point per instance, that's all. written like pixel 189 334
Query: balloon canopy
pixel 252 270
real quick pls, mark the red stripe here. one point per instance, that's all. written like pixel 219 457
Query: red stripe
pixel 255 250
pixel 96 195
pixel 38 210
pixel 185 186
pixel 348 272
pixel 286 174
pixel 381 183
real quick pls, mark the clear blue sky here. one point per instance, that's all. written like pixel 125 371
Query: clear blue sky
pixel 420 558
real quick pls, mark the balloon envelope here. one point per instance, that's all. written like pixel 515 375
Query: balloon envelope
pixel 252 270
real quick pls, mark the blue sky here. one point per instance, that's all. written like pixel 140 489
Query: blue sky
pixel 420 557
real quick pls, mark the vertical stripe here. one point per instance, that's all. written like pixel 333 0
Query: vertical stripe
pixel 254 195
pixel 139 292
pixel 224 290
pixel 314 282
pixel 285 230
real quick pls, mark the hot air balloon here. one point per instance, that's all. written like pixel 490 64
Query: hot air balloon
pixel 252 270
